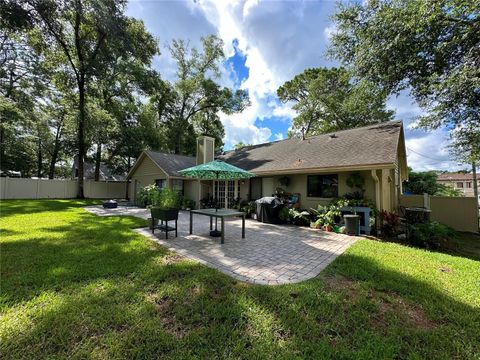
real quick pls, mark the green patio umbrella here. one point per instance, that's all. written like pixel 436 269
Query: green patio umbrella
pixel 216 170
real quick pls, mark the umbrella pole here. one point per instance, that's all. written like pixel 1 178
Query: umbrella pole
pixel 216 233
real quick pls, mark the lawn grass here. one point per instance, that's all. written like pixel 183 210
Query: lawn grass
pixel 74 285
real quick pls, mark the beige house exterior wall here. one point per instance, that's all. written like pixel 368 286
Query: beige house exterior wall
pixel 145 174
pixel 298 184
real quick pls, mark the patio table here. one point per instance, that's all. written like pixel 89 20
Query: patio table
pixel 222 214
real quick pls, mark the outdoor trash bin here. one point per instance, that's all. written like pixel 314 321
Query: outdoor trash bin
pixel 268 209
pixel 352 224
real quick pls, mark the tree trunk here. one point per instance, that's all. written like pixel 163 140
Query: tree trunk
pixel 98 159
pixel 127 195
pixel 475 183
pixel 51 171
pixel 39 158
pixel 2 141
pixel 56 150
pixel 81 136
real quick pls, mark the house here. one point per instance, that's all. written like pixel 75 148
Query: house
pixel 459 181
pixel 106 173
pixel 317 168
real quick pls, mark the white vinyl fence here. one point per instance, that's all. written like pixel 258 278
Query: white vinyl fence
pixel 19 188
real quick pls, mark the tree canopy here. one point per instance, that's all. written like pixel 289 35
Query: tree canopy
pixel 429 47
pixel 76 81
pixel 426 182
pixel 329 99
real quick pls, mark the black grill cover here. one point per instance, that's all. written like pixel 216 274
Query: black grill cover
pixel 268 209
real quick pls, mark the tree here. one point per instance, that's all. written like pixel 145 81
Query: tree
pixel 195 92
pixel 446 190
pixel 208 123
pixel 421 182
pixel 240 145
pixel 426 182
pixel 121 78
pixel 466 148
pixel 74 34
pixel 429 47
pixel 329 99
pixel 21 81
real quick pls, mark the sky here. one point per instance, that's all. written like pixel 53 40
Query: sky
pixel 267 43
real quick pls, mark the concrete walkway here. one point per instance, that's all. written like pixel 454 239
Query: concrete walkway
pixel 269 254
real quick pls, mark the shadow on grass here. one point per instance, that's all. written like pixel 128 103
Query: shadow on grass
pixel 93 288
pixel 465 244
pixel 182 309
pixel 82 250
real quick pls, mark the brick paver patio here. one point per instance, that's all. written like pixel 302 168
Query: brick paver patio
pixel 270 254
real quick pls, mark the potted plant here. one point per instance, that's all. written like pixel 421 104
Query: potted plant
pixel 188 204
pixel 300 217
pixel 165 206
pixel 249 210
pixel 284 214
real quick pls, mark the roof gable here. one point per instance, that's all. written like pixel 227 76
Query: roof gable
pixel 168 163
pixel 369 145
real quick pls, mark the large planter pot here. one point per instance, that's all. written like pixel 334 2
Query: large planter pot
pixel 164 214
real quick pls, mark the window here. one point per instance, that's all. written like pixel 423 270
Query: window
pixel 460 185
pixel 325 186
pixel 468 185
pixel 161 183
pixel 177 185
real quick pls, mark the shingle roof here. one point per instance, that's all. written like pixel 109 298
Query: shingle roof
pixel 369 145
pixel 171 163
pixel 454 176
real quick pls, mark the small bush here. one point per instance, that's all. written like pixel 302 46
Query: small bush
pixel 431 235
pixel 389 223
pixel 166 198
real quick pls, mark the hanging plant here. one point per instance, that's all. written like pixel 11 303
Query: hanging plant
pixel 284 181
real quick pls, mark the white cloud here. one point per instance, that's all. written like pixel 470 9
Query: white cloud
pixel 329 31
pixel 279 136
pixel 429 152
pixel 279 40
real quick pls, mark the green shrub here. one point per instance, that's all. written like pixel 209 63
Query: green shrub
pixel 147 195
pixel 284 213
pixel 431 235
pixel 166 198
pixel 249 208
pixel 300 217
pixel 188 203
pixel 326 215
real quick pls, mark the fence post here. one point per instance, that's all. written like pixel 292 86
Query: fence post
pixel 38 186
pixel 426 201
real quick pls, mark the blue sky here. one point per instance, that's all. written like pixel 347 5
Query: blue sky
pixel 266 44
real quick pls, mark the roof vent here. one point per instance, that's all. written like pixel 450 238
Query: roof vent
pixel 333 136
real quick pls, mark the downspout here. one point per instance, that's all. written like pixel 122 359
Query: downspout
pixel 377 188
pixel 377 195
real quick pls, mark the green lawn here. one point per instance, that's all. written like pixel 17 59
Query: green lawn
pixel 74 285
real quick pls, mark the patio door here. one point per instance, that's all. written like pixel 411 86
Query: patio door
pixel 226 192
